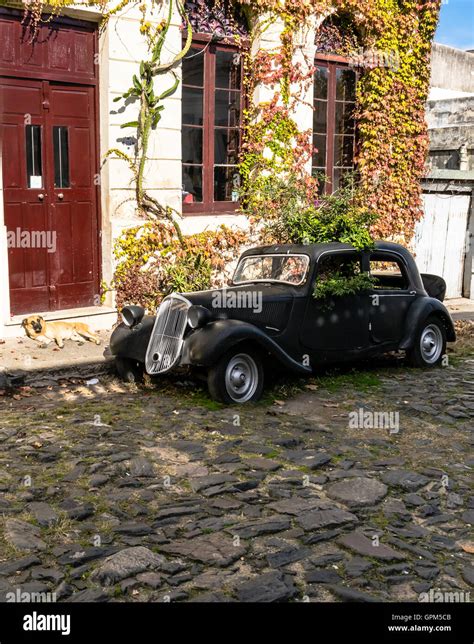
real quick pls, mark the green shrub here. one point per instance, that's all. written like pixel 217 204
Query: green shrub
pixel 152 262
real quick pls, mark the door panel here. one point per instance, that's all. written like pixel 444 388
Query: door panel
pixel 336 324
pixel 387 317
pixel 63 49
pixel 49 164
pixel 440 239
pixel 26 209
pixel 390 299
pixel 74 196
pixel 340 324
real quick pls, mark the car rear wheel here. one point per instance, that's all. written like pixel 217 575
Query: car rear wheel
pixel 430 344
pixel 237 377
pixel 129 370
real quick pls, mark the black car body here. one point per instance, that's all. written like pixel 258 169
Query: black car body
pixel 269 316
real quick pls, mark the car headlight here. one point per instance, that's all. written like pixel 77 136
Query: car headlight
pixel 198 316
pixel 132 315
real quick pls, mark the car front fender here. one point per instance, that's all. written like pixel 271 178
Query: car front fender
pixel 132 343
pixel 418 312
pixel 205 346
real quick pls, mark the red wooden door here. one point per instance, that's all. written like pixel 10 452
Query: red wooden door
pixel 50 193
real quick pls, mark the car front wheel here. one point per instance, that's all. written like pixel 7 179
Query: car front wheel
pixel 430 344
pixel 237 377
pixel 129 370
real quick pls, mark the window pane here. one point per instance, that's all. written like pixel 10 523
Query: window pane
pixel 345 84
pixel 226 184
pixel 319 155
pixel 61 156
pixel 343 150
pixel 321 82
pixel 339 174
pixel 228 69
pixel 192 144
pixel 320 117
pixel 34 172
pixel 192 183
pixel 320 174
pixel 192 106
pixel 344 118
pixel 226 146
pixel 227 108
pixel 292 269
pixel 193 67
pixel 388 274
pixel 346 264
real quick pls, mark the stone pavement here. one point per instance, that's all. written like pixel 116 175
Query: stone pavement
pixel 354 485
pixel 24 360
pixel 461 308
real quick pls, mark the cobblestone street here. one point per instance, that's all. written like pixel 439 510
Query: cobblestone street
pixel 111 492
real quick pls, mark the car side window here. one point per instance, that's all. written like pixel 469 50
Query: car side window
pixel 338 264
pixel 388 272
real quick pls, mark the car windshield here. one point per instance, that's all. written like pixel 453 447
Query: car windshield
pixel 288 269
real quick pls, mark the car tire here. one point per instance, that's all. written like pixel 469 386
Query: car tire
pixel 237 377
pixel 430 343
pixel 129 370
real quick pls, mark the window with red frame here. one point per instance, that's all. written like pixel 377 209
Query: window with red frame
pixel 333 122
pixel 211 128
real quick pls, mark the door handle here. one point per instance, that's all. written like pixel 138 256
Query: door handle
pixel 41 196
pixel 60 195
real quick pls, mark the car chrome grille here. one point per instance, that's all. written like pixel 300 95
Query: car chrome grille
pixel 166 341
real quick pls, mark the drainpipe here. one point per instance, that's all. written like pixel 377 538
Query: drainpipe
pixel 468 277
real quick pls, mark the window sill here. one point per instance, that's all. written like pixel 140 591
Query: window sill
pixel 196 210
pixel 209 213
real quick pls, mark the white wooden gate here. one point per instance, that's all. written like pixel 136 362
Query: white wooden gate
pixel 440 239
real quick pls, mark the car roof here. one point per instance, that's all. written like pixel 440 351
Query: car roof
pixel 316 250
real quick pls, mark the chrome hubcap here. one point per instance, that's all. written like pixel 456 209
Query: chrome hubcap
pixel 241 377
pixel 431 343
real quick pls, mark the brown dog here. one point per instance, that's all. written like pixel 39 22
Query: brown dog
pixel 44 332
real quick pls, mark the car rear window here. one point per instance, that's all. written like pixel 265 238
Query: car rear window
pixel 388 272
pixel 287 269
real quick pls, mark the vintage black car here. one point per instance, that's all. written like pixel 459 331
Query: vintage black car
pixel 268 317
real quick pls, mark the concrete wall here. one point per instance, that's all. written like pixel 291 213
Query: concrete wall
pixel 450 108
pixel 452 69
pixel 451 124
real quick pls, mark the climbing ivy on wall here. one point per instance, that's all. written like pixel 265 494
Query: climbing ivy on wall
pixel 391 128
pixel 391 113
